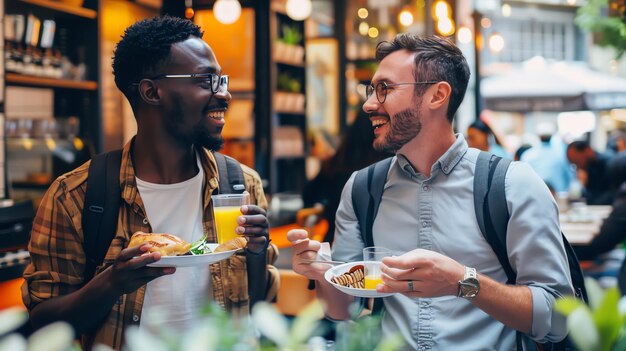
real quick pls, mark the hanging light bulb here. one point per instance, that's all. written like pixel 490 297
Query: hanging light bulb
pixel 299 10
pixel 227 11
pixel 405 18
pixel 189 12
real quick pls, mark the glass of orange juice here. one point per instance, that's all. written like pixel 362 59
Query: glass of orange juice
pixel 226 209
pixel 372 257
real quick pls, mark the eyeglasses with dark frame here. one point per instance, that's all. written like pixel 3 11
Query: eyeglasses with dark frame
pixel 381 89
pixel 216 82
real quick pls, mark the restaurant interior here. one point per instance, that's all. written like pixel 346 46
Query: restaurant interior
pixel 298 74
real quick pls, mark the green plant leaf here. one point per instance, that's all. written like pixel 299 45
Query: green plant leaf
pixel 594 292
pixel 620 344
pixel 58 336
pixel 391 343
pixel 11 319
pixel 582 330
pixel 13 342
pixel 608 31
pixel 567 305
pixel 607 318
pixel 270 323
pixel 306 322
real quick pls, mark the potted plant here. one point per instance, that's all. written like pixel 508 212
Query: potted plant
pixel 266 330
pixel 599 326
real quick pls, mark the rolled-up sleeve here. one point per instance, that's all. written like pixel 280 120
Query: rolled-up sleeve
pixel 536 250
pixel 56 252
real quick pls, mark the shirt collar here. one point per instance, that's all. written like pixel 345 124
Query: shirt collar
pixel 446 163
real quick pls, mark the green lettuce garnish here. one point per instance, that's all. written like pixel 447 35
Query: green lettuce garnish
pixel 200 247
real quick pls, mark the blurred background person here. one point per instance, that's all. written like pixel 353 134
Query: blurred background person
pixel 549 162
pixel 613 229
pixel 520 151
pixel 591 170
pixel 481 136
pixel 616 143
pixel 355 151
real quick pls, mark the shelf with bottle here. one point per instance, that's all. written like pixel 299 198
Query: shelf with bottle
pixel 41 44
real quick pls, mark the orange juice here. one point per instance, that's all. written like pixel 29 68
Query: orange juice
pixel 371 281
pixel 226 222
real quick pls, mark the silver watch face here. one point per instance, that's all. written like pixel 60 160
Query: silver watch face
pixel 469 288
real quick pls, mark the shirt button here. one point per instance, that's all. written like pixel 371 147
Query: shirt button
pixel 145 221
pixel 425 188
pixel 424 224
pixel 135 318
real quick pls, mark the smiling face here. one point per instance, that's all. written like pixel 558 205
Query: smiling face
pixel 396 121
pixel 191 113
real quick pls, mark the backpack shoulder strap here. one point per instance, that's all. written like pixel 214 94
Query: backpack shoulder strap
pixel 101 207
pixel 490 205
pixel 367 192
pixel 231 180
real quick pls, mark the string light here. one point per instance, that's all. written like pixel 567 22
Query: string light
pixel 464 35
pixel 362 13
pixel 227 11
pixel 405 18
pixel 299 10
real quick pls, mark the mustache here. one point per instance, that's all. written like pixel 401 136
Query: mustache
pixel 219 105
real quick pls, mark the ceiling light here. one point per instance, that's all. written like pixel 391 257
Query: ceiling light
pixel 405 18
pixel 299 10
pixel 227 11
pixel 362 13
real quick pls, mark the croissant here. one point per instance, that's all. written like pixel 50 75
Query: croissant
pixel 232 244
pixel 166 244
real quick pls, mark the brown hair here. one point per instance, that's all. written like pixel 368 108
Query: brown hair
pixel 436 59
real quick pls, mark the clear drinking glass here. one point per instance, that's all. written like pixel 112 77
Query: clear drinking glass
pixel 226 209
pixel 373 257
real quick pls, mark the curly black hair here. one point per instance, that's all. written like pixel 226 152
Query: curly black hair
pixel 144 46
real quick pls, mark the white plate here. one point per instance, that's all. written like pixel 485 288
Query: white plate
pixel 193 260
pixel 341 269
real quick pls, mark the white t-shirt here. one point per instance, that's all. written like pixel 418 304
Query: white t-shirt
pixel 175 209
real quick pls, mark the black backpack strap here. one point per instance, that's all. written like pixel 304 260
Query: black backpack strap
pixel 231 180
pixel 491 208
pixel 366 203
pixel 101 207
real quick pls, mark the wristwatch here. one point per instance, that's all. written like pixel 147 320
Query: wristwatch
pixel 469 286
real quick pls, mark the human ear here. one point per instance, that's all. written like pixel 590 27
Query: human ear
pixel 440 95
pixel 149 92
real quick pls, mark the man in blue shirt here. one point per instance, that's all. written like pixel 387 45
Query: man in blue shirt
pixel 426 217
pixel 550 163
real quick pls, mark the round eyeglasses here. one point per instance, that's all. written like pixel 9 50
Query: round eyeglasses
pixel 381 89
pixel 214 81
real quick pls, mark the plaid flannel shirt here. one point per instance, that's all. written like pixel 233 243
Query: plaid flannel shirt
pixel 58 259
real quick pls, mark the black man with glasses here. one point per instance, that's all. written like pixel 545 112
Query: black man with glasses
pixel 179 96
pixel 448 288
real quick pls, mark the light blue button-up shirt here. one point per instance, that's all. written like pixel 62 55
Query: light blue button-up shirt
pixel 437 213
pixel 551 165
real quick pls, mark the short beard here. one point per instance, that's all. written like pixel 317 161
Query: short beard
pixel 403 127
pixel 208 142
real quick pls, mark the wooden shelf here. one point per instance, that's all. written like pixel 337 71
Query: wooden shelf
pixel 13 78
pixel 62 7
pixel 289 63
pixel 290 112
